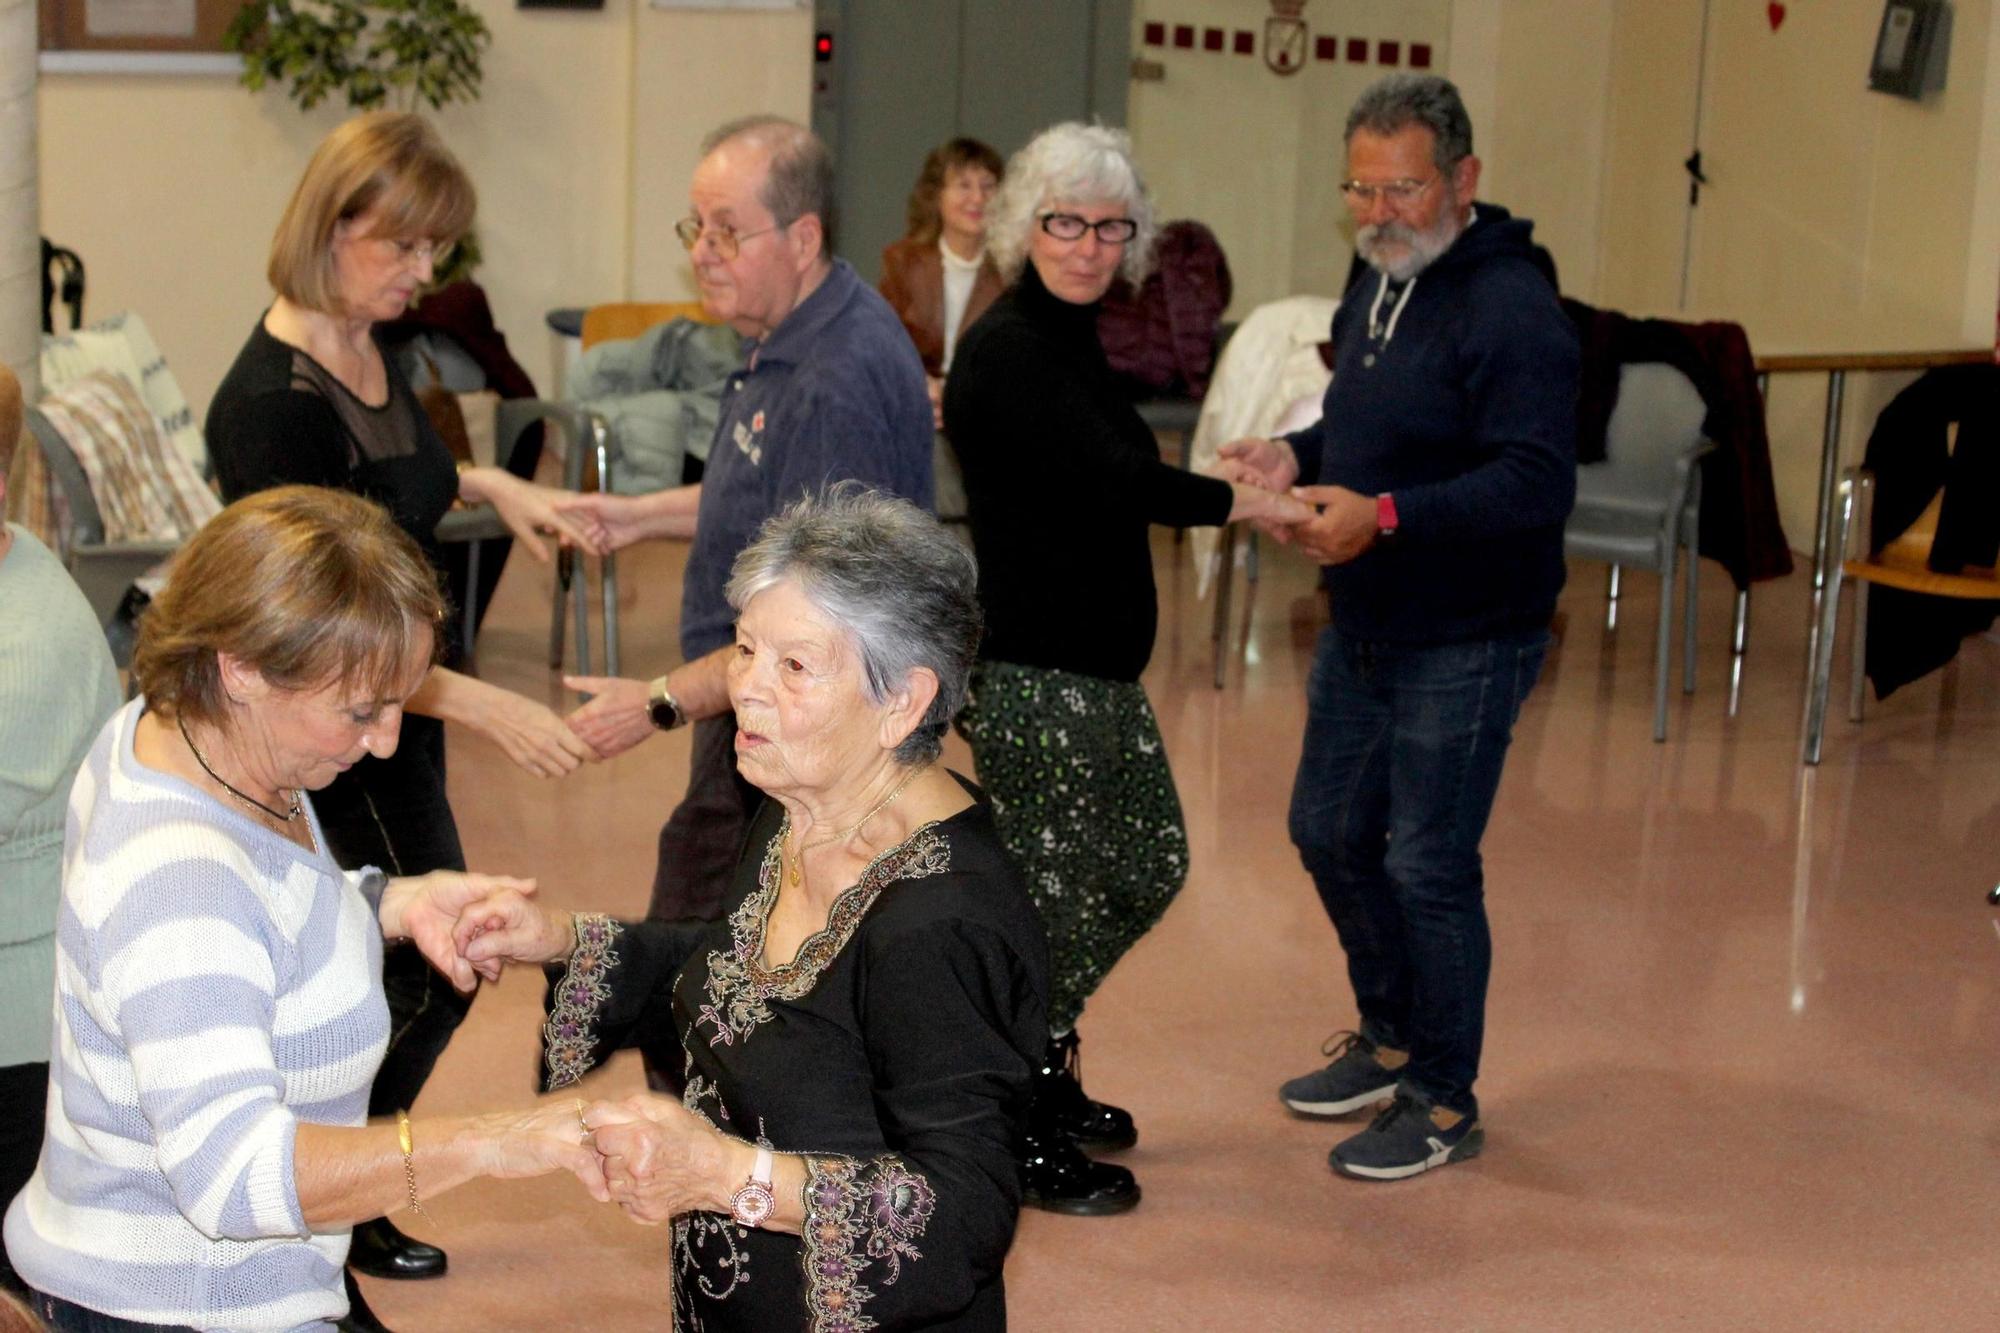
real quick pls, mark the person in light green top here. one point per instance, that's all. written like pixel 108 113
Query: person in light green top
pixel 57 686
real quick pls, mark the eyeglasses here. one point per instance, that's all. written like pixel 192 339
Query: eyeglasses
pixel 1398 193
pixel 728 241
pixel 1070 227
pixel 418 253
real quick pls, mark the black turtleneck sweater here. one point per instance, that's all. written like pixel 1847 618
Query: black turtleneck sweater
pixel 1062 480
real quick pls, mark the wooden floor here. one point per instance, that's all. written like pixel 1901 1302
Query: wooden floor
pixel 1741 1050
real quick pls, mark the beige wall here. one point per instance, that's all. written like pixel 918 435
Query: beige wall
pixel 1837 219
pixel 581 144
pixel 1257 155
pixel 1535 75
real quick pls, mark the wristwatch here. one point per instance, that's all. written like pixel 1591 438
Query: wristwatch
pixel 664 709
pixel 1385 515
pixel 753 1203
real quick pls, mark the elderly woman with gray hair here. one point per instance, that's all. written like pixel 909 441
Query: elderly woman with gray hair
pixel 1063 484
pixel 859 1030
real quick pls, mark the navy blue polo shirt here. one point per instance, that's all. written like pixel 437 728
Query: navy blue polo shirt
pixel 834 393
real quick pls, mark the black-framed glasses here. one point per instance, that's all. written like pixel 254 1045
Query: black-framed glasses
pixel 1070 227
pixel 1399 193
pixel 728 241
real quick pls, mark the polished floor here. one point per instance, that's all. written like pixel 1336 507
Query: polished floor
pixel 1740 1067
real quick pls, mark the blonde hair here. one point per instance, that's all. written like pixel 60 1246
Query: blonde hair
pixel 391 162
pixel 305 585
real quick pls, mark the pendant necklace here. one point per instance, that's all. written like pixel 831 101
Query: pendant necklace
pixel 282 816
pixel 795 873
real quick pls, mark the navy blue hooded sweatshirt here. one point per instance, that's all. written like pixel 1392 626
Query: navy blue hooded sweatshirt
pixel 1462 404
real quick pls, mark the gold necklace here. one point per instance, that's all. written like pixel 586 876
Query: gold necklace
pixel 795 873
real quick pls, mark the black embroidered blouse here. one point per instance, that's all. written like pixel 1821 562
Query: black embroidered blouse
pixel 893 1053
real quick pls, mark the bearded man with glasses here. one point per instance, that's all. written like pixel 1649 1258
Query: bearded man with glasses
pixel 1443 467
pixel 831 390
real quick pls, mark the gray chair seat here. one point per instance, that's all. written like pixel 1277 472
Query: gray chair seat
pixel 1641 507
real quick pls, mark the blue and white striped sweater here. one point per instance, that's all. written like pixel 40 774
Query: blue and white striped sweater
pixel 215 986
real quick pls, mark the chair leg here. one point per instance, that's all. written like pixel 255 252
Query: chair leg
pixel 1611 601
pixel 580 604
pixel 1663 649
pixel 1225 578
pixel 469 629
pixel 609 578
pixel 1857 653
pixel 1688 619
pixel 567 565
pixel 1821 682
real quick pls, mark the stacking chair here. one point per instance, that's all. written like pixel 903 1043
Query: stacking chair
pixel 629 319
pixel 1902 563
pixel 1641 507
pixel 103 568
pixel 588 447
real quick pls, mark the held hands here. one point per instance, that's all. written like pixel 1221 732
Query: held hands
pixel 1331 524
pixel 528 510
pixel 532 735
pixel 617 716
pixel 659 1159
pixel 608 522
pixel 430 911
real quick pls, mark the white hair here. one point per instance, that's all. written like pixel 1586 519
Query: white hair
pixel 1075 164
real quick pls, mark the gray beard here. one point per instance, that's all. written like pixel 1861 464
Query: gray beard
pixel 1420 249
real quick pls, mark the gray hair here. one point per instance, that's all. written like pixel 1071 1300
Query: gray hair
pixel 800 180
pixel 1398 101
pixel 1070 163
pixel 904 590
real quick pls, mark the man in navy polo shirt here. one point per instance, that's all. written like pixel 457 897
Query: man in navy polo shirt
pixel 831 391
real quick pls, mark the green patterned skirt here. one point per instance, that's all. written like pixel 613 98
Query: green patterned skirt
pixel 1086 804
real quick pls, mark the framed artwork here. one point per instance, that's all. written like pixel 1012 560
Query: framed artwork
pixel 136 25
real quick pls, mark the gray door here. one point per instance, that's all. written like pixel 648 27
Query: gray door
pixel 902 76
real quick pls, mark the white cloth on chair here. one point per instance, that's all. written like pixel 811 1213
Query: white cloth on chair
pixel 1269 369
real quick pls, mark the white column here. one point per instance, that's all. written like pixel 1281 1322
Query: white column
pixel 20 214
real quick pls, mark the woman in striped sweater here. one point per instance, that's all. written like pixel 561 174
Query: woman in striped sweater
pixel 219 1007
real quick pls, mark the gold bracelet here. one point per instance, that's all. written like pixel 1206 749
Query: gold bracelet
pixel 409 1164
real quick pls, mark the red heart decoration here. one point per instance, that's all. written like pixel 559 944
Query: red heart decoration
pixel 1777 13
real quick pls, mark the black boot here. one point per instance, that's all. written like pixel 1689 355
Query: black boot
pixel 380 1250
pixel 359 1318
pixel 1058 1178
pixel 1059 1088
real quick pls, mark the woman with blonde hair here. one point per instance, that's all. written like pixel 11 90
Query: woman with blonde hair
pixel 313 399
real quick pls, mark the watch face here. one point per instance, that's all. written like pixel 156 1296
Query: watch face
pixel 752 1205
pixel 665 716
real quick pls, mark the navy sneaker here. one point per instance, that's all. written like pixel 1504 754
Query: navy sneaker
pixel 1407 1139
pixel 1356 1079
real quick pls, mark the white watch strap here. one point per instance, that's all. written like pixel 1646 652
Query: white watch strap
pixel 761 1172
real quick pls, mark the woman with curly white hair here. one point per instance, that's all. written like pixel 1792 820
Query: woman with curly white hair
pixel 1063 483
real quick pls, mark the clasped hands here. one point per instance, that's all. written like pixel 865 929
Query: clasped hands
pixel 1331 524
pixel 647 1154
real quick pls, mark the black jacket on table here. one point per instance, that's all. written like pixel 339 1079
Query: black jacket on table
pixel 1457 395
pixel 1062 481
pixel 894 1053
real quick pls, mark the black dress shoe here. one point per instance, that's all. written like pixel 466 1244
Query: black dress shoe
pixel 379 1250
pixel 359 1318
pixel 1058 1178
pixel 1095 1125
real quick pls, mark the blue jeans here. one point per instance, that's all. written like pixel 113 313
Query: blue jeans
pixel 1402 757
